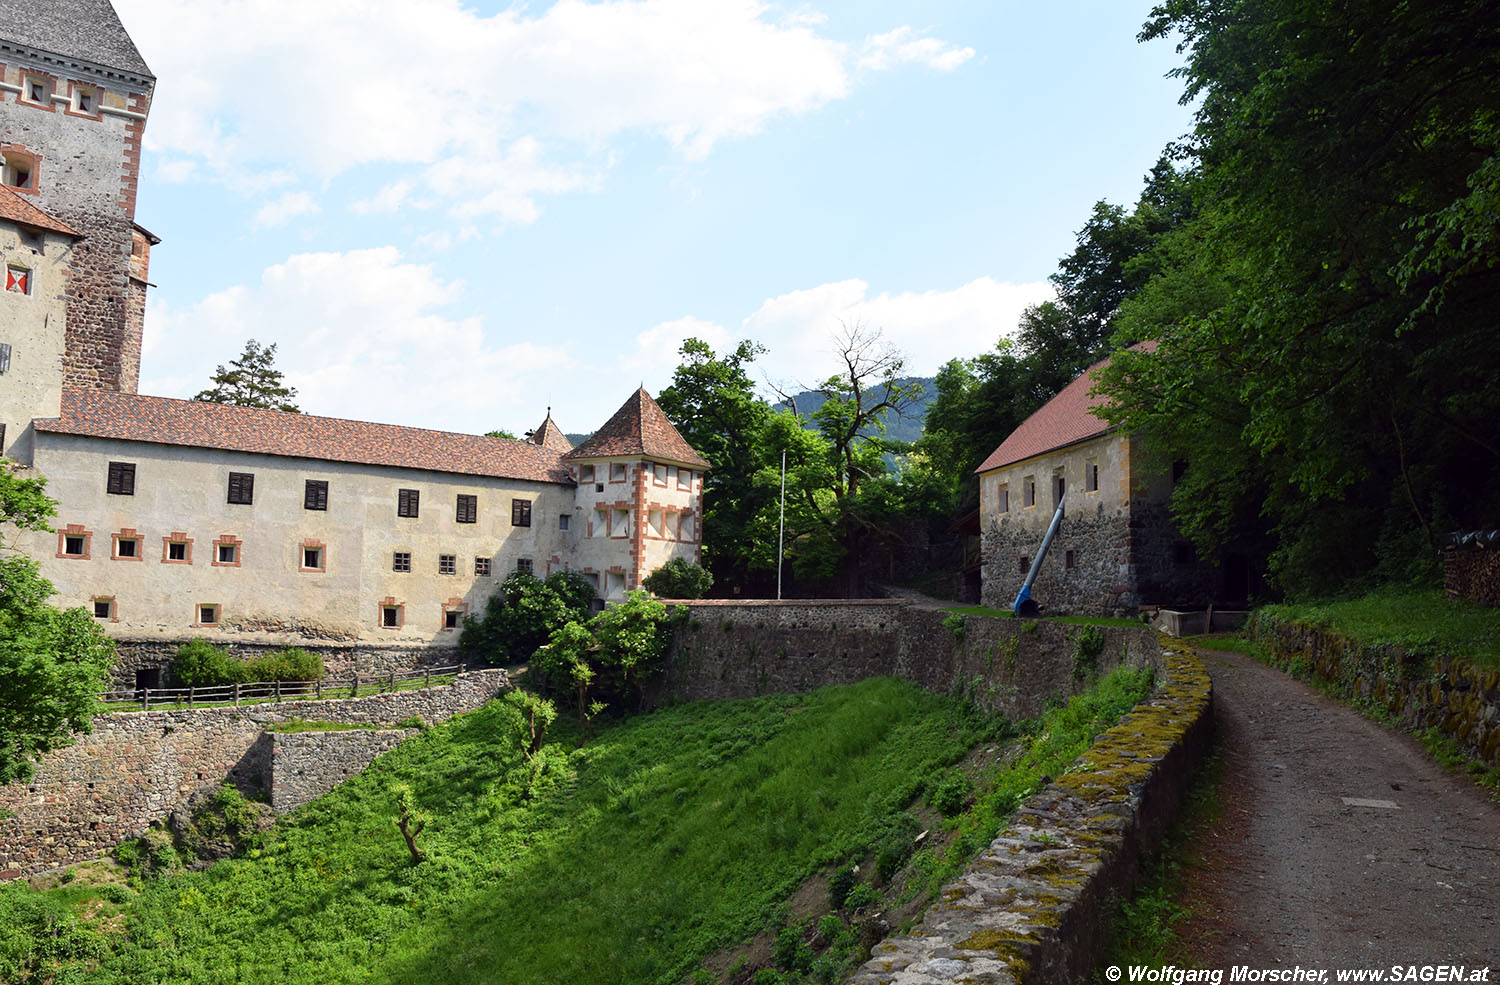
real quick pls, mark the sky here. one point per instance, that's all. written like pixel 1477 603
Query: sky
pixel 454 215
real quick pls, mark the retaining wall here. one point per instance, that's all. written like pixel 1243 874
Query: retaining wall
pixel 1012 667
pixel 1037 906
pixel 136 767
pixel 305 765
pixel 339 660
pixel 1450 694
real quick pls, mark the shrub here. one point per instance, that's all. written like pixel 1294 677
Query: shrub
pixel 791 952
pixel 679 578
pixel 861 896
pixel 894 846
pixel 520 617
pixel 1086 649
pixel 950 794
pixel 199 663
pixel 287 664
pixel 839 885
pixel 955 624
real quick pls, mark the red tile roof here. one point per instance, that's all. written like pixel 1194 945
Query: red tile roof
pixel 1064 420
pixel 549 435
pixel 198 424
pixel 16 209
pixel 639 428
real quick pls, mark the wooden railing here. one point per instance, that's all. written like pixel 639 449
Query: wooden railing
pixel 229 695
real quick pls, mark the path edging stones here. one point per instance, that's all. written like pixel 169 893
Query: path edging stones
pixel 1037 906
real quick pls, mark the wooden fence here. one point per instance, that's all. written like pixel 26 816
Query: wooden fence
pixel 355 686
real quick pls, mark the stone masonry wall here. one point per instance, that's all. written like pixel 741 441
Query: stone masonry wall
pixel 136 767
pixel 305 765
pixel 1011 666
pixel 339 662
pixel 1458 698
pixel 1101 581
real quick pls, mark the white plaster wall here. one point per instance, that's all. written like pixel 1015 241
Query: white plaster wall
pixel 1112 452
pixel 599 548
pixel 267 598
pixel 34 326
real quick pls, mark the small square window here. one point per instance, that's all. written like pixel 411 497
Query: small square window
pixel 450 618
pixel 585 474
pixel 616 471
pixel 390 616
pixel 104 608
pixel 229 553
pixel 447 564
pixel 315 495
pixel 242 488
pixel 468 508
pixel 127 548
pixel 121 481
pixel 482 567
pixel 208 615
pixel 401 561
pixel 598 487
pixel 85 100
pixel 524 565
pixel 177 550
pixel 312 558
pixel 562 521
pixel 74 546
pixel 407 502
pixel 37 90
pixel 520 513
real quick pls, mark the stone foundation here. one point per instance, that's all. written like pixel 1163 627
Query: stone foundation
pixel 339 661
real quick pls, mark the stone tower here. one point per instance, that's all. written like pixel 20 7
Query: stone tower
pixel 74 94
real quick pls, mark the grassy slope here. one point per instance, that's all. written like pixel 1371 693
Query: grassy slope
pixel 673 832
pixel 1425 621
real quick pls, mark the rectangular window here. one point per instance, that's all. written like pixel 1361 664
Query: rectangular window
pixel 208 615
pixel 121 479
pixel 1059 486
pixel 520 513
pixel 242 488
pixel 84 100
pixel 450 618
pixel 585 474
pixel 562 521
pixel 390 616
pixel 17 280
pixel 74 546
pixel 103 608
pixel 1069 561
pixel 655 522
pixel 1002 498
pixel 312 559
pixel 447 564
pixel 482 567
pixel 616 471
pixel 229 553
pixel 684 478
pixel 468 508
pixel 659 474
pixel 524 564
pixel 127 547
pixel 1028 492
pixel 38 90
pixel 315 495
pixel 1024 565
pixel 407 502
pixel 401 561
pixel 1091 475
pixel 177 550
pixel 619 523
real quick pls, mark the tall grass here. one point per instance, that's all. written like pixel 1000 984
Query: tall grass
pixel 1425 622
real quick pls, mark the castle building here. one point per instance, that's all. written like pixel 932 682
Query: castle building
pixel 249 526
pixel 1117 547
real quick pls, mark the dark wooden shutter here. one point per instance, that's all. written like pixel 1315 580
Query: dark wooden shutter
pixel 241 488
pixel 315 495
pixel 520 513
pixel 121 478
pixel 468 508
pixel 407 502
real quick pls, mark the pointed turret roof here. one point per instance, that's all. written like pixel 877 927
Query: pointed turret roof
pixel 549 435
pixel 86 29
pixel 640 427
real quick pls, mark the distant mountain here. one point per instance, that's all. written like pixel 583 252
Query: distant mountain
pixel 579 439
pixel 905 428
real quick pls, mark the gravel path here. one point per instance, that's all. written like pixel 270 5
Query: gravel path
pixel 1342 845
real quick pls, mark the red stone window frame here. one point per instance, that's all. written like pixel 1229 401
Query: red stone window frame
pixel 215 611
pixel 585 474
pixel 28 79
pixel 15 154
pixel 624 533
pixel 399 618
pixel 74 530
pixel 111 607
pixel 312 545
pixel 457 608
pixel 621 468
pixel 177 537
pixel 77 93
pixel 659 474
pixel 684 478
pixel 228 540
pixel 130 535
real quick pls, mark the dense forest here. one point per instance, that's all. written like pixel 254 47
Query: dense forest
pixel 1317 259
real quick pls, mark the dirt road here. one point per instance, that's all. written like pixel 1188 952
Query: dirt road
pixel 1342 845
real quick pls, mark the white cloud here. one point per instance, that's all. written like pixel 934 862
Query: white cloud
pixel 656 349
pixel 388 199
pixel 285 209
pixel 929 327
pixel 906 46
pixel 361 334
pixel 466 104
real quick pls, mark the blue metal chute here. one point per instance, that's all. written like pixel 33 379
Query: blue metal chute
pixel 1024 605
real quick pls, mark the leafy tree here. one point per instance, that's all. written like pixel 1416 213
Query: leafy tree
pixel 679 578
pixel 501 433
pixel 633 638
pixel 522 615
pixel 252 380
pixel 52 663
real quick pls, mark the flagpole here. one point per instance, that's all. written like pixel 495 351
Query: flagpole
pixel 781 532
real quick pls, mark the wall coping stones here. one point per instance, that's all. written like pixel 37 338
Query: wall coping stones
pixel 1036 907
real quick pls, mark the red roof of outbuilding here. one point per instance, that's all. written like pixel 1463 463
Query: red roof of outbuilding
pixel 1064 420
pixel 639 428
pixel 199 424
pixel 15 208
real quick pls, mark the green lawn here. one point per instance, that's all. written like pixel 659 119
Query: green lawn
pixel 980 610
pixel 1426 622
